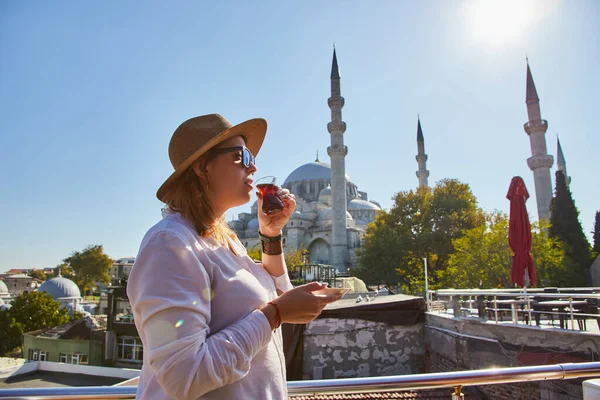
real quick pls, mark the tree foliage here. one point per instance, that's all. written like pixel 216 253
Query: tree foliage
pixel 38 274
pixel 29 311
pixel 293 258
pixel 65 271
pixel 421 224
pixel 565 227
pixel 88 266
pixel 483 258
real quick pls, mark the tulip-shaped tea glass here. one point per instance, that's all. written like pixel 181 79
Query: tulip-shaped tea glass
pixel 267 187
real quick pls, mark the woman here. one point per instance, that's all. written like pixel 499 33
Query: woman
pixel 207 314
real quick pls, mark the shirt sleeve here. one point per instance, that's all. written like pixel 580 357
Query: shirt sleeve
pixel 283 282
pixel 170 293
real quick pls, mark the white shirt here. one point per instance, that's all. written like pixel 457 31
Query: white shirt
pixel 195 305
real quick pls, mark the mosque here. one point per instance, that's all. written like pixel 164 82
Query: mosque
pixel 332 213
pixel 65 291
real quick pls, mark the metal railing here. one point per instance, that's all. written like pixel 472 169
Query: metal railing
pixel 455 380
pixel 528 297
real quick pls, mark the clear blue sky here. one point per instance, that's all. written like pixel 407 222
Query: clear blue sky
pixel 90 94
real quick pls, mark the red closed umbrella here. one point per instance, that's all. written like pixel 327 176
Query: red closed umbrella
pixel 519 233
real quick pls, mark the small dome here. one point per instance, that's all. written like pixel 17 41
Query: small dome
pixel 253 223
pixel 325 196
pixel 325 192
pixel 60 287
pixel 358 204
pixel 312 171
pixel 299 215
pixel 327 214
pixel 376 203
pixel 3 289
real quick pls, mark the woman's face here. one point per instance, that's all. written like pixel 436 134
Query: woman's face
pixel 229 181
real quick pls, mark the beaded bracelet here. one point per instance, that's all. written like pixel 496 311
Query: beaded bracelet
pixel 277 314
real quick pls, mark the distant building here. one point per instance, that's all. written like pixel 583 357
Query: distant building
pixel 18 283
pixel 123 345
pixel 121 268
pixel 332 214
pixel 18 271
pixel 78 342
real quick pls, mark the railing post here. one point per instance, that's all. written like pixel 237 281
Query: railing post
pixel 458 394
pixel 571 310
pixel 496 308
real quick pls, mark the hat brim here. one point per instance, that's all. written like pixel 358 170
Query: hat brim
pixel 253 131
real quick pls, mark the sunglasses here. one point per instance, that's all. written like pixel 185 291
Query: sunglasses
pixel 247 156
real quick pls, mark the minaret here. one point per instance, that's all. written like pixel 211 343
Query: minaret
pixel 561 164
pixel 337 152
pixel 422 173
pixel 539 162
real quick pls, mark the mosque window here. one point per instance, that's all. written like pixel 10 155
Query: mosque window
pixel 292 223
pixel 283 241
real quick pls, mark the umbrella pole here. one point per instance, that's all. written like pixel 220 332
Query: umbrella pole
pixel 525 284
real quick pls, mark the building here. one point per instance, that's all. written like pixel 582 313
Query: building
pixel 78 342
pixel 121 268
pixel 65 291
pixel 18 283
pixel 331 213
pixel 123 345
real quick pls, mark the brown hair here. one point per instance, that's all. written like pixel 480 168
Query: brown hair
pixel 187 195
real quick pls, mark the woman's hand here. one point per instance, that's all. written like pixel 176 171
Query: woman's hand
pixel 300 306
pixel 271 225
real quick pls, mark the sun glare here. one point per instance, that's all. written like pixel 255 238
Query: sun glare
pixel 499 22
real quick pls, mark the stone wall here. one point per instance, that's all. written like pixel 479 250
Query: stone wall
pixel 347 348
pixel 455 344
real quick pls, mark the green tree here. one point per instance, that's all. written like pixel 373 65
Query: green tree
pixel 29 311
pixel 482 257
pixel 89 265
pixel 293 258
pixel 255 254
pixel 38 274
pixel 565 226
pixel 596 234
pixel 421 224
pixel 65 271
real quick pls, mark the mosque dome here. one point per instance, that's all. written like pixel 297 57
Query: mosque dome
pixel 325 196
pixel 376 203
pixel 358 204
pixel 299 215
pixel 3 289
pixel 253 224
pixel 60 287
pixel 312 171
pixel 327 215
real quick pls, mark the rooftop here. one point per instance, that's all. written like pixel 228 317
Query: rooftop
pixel 73 330
pixel 417 395
pixel 38 379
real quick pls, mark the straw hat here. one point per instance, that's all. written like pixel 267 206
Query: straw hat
pixel 197 135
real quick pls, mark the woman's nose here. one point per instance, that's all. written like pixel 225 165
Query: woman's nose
pixel 252 167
